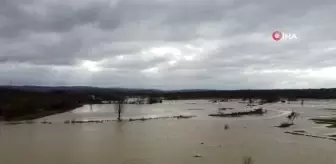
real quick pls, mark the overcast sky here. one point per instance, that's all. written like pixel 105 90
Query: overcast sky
pixel 168 44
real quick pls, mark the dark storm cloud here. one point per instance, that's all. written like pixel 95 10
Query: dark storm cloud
pixel 220 44
pixel 23 17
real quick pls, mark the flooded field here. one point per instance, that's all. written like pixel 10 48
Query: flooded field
pixel 200 140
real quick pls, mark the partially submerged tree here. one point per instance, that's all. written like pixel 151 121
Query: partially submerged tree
pixel 247 160
pixel 154 100
pixel 120 107
pixel 250 101
pixel 226 127
pixel 291 117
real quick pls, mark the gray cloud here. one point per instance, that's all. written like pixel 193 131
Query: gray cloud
pixel 168 44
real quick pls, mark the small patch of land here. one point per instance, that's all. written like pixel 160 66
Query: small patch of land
pixel 299 131
pixel 74 121
pixel 196 109
pixel 310 135
pixel 331 122
pixel 333 135
pixel 225 108
pixel 258 111
pixel 330 109
pixel 285 125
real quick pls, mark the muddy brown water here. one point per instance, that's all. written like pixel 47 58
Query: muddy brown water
pixel 171 141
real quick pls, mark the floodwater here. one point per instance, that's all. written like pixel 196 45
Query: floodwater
pixel 171 141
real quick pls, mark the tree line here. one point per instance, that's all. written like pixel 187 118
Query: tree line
pixel 291 94
pixel 17 102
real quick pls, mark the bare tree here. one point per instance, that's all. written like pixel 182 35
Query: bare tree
pixel 120 107
pixel 291 117
pixel 250 101
pixel 247 160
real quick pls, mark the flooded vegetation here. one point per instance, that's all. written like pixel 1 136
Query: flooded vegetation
pixel 225 108
pixel 285 125
pixel 330 122
pixel 195 109
pixel 257 111
pixel 331 109
pixel 74 121
pixel 247 160
pixel 290 122
pixel 311 135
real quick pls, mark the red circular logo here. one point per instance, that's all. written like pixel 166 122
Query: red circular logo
pixel 277 35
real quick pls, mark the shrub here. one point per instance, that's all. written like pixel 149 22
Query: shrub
pixel 247 160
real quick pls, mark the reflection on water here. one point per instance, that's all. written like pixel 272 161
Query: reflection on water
pixel 169 141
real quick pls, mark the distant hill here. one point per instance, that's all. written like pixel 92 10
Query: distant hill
pixel 323 93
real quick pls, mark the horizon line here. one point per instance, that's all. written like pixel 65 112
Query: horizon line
pixel 73 86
